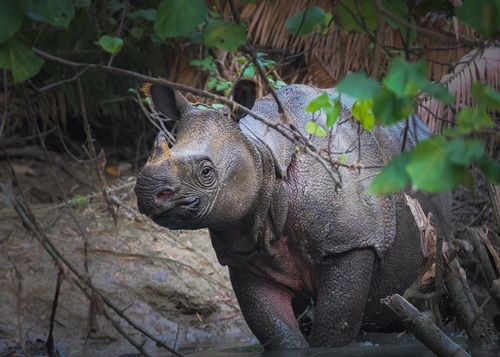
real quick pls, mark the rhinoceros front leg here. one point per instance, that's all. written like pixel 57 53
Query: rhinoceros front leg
pixel 343 283
pixel 267 309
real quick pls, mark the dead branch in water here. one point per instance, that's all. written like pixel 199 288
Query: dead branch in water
pixel 464 305
pixel 423 328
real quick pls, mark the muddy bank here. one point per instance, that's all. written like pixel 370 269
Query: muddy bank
pixel 169 283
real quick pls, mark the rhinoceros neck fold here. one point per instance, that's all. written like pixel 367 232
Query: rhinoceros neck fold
pixel 264 224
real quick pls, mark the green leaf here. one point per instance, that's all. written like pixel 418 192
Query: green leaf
pixel 176 18
pixel 78 201
pixel 393 177
pixel 224 35
pixel 430 168
pixel 332 113
pixel 137 32
pixel 490 168
pixel 365 15
pixel 388 108
pixel 314 129
pixel 481 15
pixel 358 85
pixel 470 120
pixel 116 5
pixel 317 103
pixel 329 105
pixel 11 18
pixel 19 59
pixel 57 13
pixel 486 97
pixel 324 26
pixel 464 152
pixel 146 14
pixel 110 44
pixel 249 72
pixel 362 111
pixel 439 92
pixel 406 78
pixel 305 20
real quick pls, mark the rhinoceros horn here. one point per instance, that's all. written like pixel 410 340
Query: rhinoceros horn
pixel 160 149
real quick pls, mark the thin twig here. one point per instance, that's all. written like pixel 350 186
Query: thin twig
pixel 49 344
pixel 60 83
pixel 120 27
pixel 31 224
pixel 290 133
pixel 18 293
pixel 5 102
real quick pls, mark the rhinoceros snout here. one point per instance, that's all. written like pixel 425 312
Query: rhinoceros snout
pixel 163 194
pixel 151 195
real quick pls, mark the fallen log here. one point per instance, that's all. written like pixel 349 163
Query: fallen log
pixel 423 327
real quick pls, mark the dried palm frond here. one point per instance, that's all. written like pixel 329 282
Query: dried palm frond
pixel 477 65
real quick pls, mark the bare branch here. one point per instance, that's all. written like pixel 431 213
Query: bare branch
pixel 291 133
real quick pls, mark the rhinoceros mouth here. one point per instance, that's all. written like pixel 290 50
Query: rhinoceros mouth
pixel 178 215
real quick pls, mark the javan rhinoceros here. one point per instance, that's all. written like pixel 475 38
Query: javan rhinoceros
pixel 279 221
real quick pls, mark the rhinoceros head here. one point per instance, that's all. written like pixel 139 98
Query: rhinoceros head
pixel 210 177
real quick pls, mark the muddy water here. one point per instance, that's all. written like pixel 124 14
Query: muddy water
pixel 368 345
pixel 376 345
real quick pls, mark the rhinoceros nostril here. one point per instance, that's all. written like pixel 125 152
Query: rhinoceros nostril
pixel 164 194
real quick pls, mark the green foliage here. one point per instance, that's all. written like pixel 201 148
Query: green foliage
pixel 171 19
pixel 405 79
pixel 224 35
pixel 110 44
pixel 470 120
pixel 314 129
pixel 394 177
pixel 362 111
pixel 490 168
pixel 439 92
pixel 486 97
pixel 78 201
pixel 305 21
pixel 358 85
pixel 329 105
pixel 441 163
pixel 178 17
pixel 482 15
pixel 399 9
pixel 215 80
pixel 15 53
pixel 19 59
pixel 389 107
pixel 58 13
pixel 432 169
pixel 357 15
pixel 140 31
pixel 11 18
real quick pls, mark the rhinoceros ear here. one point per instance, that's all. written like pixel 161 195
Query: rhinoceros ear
pixel 169 102
pixel 244 93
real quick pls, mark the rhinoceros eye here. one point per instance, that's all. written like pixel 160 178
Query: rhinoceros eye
pixel 206 171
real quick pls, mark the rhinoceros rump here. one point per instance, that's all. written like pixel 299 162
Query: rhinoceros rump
pixel 277 219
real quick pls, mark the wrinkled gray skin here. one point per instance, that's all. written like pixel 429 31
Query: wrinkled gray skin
pixel 276 219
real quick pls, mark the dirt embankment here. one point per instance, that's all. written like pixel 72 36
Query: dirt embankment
pixel 167 282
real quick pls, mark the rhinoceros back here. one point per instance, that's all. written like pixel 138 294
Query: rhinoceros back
pixel 352 217
pixel 295 98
